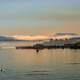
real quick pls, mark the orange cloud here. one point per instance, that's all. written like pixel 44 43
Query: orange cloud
pixel 22 37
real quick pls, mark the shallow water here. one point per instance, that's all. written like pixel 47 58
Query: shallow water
pixel 54 64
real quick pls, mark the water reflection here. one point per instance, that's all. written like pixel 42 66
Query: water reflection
pixel 55 64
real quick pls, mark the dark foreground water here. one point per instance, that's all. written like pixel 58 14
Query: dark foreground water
pixel 56 64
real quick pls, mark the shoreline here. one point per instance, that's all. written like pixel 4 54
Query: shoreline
pixel 40 47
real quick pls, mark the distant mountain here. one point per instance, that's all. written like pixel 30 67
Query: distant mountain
pixel 7 38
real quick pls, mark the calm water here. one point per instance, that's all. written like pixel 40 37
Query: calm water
pixel 56 64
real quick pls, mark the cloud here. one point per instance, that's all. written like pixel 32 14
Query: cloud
pixel 24 37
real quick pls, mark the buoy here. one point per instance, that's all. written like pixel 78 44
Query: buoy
pixel 37 50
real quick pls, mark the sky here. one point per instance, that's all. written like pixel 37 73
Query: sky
pixel 39 17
